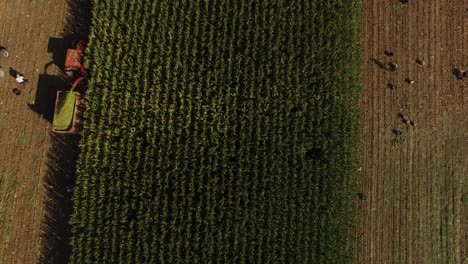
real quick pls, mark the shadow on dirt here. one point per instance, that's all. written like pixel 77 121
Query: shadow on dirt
pixel 63 152
pixel 58 48
pixel 12 72
pixel 459 74
pixel 58 182
pixel 380 64
pixel 48 84
pixel 47 88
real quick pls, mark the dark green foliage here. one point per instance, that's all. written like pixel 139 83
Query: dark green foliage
pixel 219 132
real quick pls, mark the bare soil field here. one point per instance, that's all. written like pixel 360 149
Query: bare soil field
pixel 416 182
pixel 28 29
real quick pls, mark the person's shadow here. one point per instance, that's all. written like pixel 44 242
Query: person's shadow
pixel 458 73
pixel 379 64
pixel 14 72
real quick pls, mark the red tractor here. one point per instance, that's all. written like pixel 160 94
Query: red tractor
pixel 67 110
pixel 74 58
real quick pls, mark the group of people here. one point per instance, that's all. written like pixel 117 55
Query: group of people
pixel 392 67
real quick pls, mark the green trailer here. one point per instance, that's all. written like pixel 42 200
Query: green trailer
pixel 67 111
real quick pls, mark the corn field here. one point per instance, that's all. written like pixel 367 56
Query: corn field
pixel 219 132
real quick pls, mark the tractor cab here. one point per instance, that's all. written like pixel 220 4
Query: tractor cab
pixel 74 58
pixel 67 110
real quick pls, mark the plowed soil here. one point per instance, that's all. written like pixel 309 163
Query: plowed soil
pixel 415 182
pixel 26 28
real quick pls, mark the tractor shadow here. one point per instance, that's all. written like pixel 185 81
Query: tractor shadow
pixel 46 91
pixel 49 84
pixel 56 231
pixel 57 47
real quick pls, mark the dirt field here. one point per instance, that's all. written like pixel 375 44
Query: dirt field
pixel 414 183
pixel 25 29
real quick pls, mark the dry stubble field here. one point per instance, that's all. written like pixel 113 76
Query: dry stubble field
pixel 414 212
pixel 25 29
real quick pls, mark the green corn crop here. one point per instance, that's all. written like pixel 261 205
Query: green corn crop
pixel 219 132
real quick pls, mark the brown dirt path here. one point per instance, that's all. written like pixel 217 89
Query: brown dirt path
pixel 415 183
pixel 25 28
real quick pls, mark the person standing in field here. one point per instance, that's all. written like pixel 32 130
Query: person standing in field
pixel 20 79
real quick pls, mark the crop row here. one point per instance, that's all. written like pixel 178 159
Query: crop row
pixel 219 131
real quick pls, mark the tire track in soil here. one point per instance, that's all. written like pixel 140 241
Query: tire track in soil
pixel 414 211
